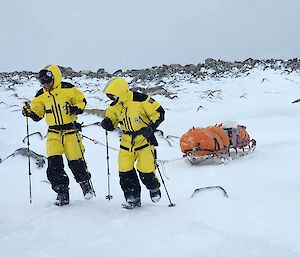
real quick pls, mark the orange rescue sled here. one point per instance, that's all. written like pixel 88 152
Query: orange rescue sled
pixel 216 141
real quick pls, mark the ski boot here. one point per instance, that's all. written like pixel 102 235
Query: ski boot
pixel 155 195
pixel 132 203
pixel 62 198
pixel 87 190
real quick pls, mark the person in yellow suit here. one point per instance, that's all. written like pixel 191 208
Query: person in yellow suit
pixel 138 116
pixel 61 102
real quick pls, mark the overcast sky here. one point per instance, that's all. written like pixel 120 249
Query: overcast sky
pixel 132 34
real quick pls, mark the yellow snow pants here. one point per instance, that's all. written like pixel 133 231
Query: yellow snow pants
pixel 65 142
pixel 144 157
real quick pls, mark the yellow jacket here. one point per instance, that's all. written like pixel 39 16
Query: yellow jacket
pixel 132 111
pixel 52 103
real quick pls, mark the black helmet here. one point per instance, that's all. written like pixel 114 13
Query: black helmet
pixel 45 76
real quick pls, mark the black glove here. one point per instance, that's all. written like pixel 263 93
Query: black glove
pixel 147 132
pixel 107 124
pixel 71 109
pixel 26 111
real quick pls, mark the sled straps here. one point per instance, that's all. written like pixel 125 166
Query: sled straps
pixel 216 144
pixel 198 148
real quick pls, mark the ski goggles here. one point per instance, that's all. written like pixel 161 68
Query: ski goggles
pixel 45 76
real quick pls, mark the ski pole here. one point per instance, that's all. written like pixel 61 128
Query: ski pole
pixel 2 160
pixel 29 168
pixel 109 196
pixel 162 180
pixel 97 142
pixel 82 155
pixel 91 139
pixel 98 123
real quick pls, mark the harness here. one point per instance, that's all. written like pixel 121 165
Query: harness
pixel 74 127
pixel 65 129
pixel 133 135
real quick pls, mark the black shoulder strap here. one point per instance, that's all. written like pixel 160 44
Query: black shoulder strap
pixel 66 85
pixel 40 92
pixel 139 97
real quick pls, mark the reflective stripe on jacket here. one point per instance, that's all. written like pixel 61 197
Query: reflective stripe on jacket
pixel 52 103
pixel 137 112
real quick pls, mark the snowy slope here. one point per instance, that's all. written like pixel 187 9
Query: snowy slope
pixel 261 217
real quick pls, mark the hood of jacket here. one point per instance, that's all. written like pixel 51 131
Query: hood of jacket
pixel 56 74
pixel 118 87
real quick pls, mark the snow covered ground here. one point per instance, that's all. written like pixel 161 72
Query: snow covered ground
pixel 261 217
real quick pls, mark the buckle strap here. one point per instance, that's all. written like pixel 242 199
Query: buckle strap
pixel 58 132
pixel 131 133
pixel 134 134
pixel 67 126
pixel 135 149
pixel 53 131
pixel 141 147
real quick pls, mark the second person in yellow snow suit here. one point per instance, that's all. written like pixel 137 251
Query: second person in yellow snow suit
pixel 61 102
pixel 138 116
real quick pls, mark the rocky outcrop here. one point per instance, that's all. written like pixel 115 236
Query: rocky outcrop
pixel 209 69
